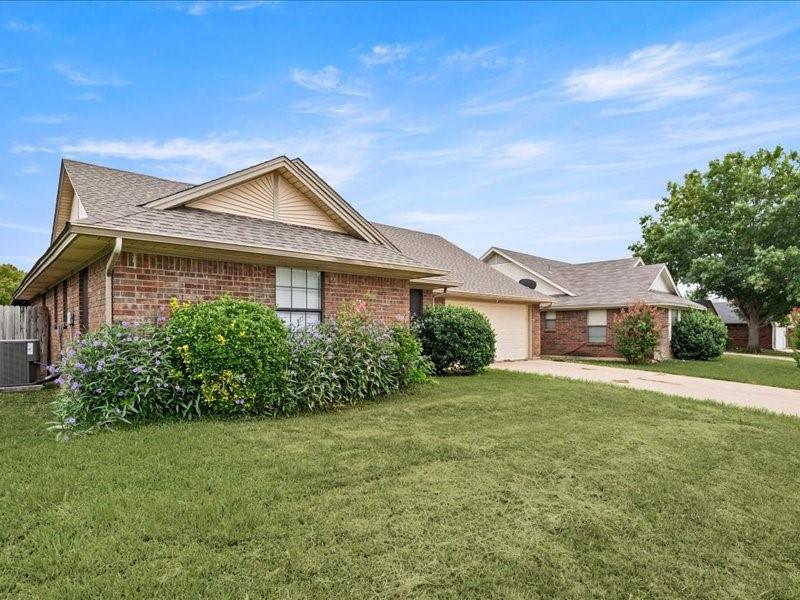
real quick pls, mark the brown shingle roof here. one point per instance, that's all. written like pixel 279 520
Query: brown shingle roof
pixel 112 199
pixel 602 283
pixel 475 276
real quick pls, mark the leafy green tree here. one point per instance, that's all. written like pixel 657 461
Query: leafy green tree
pixel 10 278
pixel 734 231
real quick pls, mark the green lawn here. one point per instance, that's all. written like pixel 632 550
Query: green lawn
pixel 501 485
pixel 745 369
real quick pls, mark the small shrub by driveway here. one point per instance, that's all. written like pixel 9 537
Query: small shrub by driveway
pixel 699 335
pixel 459 340
pixel 500 485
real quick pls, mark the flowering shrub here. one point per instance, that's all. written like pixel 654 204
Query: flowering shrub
pixel 699 335
pixel 458 340
pixel 637 332
pixel 350 359
pixel 118 374
pixel 234 352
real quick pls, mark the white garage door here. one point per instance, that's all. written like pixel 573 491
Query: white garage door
pixel 510 323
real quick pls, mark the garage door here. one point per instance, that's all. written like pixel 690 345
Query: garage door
pixel 510 322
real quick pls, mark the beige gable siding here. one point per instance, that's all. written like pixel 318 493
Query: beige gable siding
pixel 296 208
pixel 662 284
pixel 66 194
pixel 250 199
pixel 255 198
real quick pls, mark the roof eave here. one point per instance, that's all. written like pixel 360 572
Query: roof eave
pixel 412 271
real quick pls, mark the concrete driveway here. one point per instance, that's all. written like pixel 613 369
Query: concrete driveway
pixel 777 400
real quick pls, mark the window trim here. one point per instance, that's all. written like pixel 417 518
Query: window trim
pixel 590 327
pixel 288 310
pixel 546 319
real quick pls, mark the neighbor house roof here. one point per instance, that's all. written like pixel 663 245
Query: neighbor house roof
pixel 475 277
pixel 727 312
pixel 601 283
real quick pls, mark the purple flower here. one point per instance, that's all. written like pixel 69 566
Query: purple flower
pixel 239 402
pixel 136 388
pixel 70 420
pixel 120 394
pixel 125 324
pixel 97 343
pixel 75 385
pixel 98 391
pixel 115 357
pixel 80 366
pixel 117 410
pixel 59 381
pixel 158 362
pixel 65 437
pixel 51 368
pixel 138 370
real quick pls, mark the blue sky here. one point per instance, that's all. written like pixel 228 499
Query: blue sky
pixel 547 128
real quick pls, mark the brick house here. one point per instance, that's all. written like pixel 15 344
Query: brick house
pixel 123 244
pixel 771 336
pixel 587 297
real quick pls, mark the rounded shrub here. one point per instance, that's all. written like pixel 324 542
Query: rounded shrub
pixel 699 335
pixel 457 339
pixel 233 352
pixel 637 332
pixel 118 374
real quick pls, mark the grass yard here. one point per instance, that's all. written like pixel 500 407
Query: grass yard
pixel 745 369
pixel 501 485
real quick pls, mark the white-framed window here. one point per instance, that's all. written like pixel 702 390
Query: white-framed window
pixel 298 296
pixel 550 320
pixel 597 321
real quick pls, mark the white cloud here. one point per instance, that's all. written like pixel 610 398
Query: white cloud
pixel 327 79
pixel 483 58
pixel 201 8
pixel 382 54
pixel 22 227
pixel 80 77
pixel 23 27
pixel 344 111
pixel 514 154
pixel 29 170
pixel 88 97
pixel 653 74
pixel 48 119
pixel 9 69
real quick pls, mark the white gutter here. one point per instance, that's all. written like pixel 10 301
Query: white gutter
pixel 112 262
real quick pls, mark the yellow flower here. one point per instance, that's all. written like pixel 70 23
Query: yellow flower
pixel 221 339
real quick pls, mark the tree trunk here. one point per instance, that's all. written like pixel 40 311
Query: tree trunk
pixel 753 326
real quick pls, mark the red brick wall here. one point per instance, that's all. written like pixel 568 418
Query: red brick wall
pixel 571 336
pixel 737 336
pixel 536 331
pixel 143 284
pixel 391 297
pixel 427 298
pixel 97 293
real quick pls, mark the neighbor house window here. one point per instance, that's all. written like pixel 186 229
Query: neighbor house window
pixel 674 317
pixel 597 320
pixel 550 321
pixel 298 296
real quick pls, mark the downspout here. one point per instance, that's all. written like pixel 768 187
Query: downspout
pixel 112 262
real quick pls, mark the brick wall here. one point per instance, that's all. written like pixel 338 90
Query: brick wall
pixel 737 336
pixel 536 331
pixel 144 284
pixel 571 336
pixel 391 297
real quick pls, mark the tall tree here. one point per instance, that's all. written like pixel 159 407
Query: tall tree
pixel 734 231
pixel 10 278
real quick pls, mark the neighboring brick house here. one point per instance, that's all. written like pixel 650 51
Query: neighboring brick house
pixel 587 297
pixel 123 244
pixel 771 336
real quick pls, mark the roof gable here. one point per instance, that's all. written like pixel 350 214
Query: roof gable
pixel 270 197
pixel 281 190
pixel 535 270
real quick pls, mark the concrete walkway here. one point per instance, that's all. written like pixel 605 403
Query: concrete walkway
pixel 775 399
pixel 772 356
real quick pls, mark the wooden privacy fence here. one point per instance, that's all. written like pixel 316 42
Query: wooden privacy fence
pixel 26 323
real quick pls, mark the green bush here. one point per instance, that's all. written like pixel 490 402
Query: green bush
pixel 350 359
pixel 699 335
pixel 458 340
pixel 793 335
pixel 234 352
pixel 118 374
pixel 637 332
